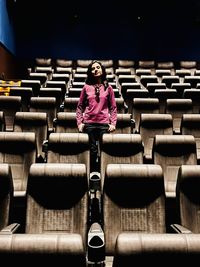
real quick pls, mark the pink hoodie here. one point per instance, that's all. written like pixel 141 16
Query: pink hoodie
pixel 90 111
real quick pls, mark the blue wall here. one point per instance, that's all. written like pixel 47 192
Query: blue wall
pixel 6 28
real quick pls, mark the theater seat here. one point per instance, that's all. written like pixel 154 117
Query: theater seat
pixel 133 201
pixel 120 148
pixel 69 148
pixel 33 122
pixel 19 150
pixel 150 125
pixel 170 152
pixel 57 199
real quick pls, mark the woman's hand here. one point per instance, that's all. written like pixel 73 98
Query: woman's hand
pixel 111 128
pixel 80 127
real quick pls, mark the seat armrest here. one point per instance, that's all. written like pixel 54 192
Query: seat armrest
pixel 40 158
pixel 126 108
pixel 50 130
pixel 10 229
pixel 45 146
pixel 54 122
pixel 62 107
pixel 148 159
pixel 96 244
pixel 95 181
pixel 180 229
pixel 132 123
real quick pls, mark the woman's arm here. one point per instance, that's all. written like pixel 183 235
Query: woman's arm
pixel 81 107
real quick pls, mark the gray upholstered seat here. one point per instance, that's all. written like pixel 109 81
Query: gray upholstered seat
pixel 170 152
pixel 133 201
pixel 120 148
pixel 19 150
pixel 69 148
pixel 33 122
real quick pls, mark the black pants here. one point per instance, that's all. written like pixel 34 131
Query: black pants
pixel 95 132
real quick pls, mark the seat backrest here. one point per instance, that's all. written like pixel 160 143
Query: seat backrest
pixel 38 76
pixel 19 151
pixel 6 194
pixel 193 94
pixel 70 104
pixel 120 104
pixel 52 92
pixel 57 84
pixel 144 105
pixel 133 201
pixel 165 65
pixel 172 151
pixel 45 104
pixel 69 148
pixel 62 62
pixel 146 64
pixel 152 124
pixel 169 79
pixel 33 122
pixel 36 247
pixel 156 248
pixel 135 93
pixel 34 84
pixel 151 87
pixel 192 79
pixel 187 64
pixel 180 87
pixel 178 107
pixel 188 199
pixel 145 79
pixel 43 62
pixel 124 123
pixel 163 95
pixel 25 92
pixel 120 148
pixel 123 63
pixel 57 199
pixel 66 122
pixel 75 91
pixel 10 105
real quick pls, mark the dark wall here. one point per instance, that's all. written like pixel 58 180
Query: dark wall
pixel 10 67
pixel 106 29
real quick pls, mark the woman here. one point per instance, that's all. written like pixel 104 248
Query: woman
pixel 96 111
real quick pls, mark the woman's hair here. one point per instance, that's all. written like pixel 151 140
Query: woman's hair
pixel 91 79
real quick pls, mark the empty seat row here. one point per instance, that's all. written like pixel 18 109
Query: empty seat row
pixel 133 200
pixel 170 151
